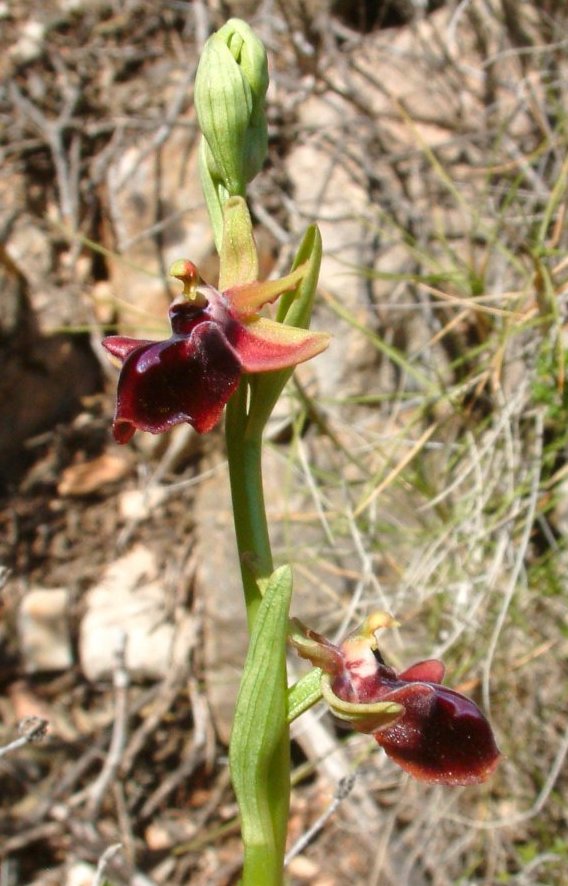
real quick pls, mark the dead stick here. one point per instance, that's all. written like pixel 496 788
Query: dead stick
pixel 121 681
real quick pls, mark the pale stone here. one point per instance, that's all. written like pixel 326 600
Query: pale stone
pixel 131 601
pixel 139 504
pixel 303 868
pixel 218 583
pixel 44 631
pixel 30 44
pixel 80 874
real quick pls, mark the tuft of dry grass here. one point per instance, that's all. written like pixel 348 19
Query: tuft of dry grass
pixel 443 499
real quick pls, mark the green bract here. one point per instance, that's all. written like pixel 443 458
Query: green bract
pixel 295 309
pixel 260 743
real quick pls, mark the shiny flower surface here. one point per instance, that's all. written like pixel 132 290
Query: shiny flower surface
pixel 434 733
pixel 216 337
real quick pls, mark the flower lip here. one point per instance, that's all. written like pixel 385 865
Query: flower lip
pixel 187 378
pixel 442 736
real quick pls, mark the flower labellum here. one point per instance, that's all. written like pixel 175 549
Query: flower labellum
pixel 434 733
pixel 216 337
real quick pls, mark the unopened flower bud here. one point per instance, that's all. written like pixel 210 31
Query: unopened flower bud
pixel 230 90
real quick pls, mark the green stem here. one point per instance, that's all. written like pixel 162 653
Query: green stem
pixel 249 513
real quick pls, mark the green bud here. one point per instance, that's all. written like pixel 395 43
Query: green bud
pixel 230 91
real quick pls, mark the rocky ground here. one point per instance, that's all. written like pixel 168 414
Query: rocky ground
pixel 418 466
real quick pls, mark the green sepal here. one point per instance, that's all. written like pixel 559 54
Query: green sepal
pixel 294 309
pixel 362 717
pixel 238 256
pixel 215 195
pixel 223 101
pixel 314 647
pixel 250 54
pixel 259 755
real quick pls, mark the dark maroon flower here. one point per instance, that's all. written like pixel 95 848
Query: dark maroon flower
pixel 216 337
pixel 434 733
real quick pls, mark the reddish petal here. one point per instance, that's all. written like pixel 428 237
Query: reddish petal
pixel 430 671
pixel 442 736
pixel 264 345
pixel 184 379
pixel 121 347
pixel 247 298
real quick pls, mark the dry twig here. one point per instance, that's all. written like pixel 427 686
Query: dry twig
pixel 121 682
pixel 31 729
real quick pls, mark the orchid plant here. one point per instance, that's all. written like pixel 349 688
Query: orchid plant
pixel 223 353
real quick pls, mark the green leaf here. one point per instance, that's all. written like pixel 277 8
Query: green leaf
pixel 259 754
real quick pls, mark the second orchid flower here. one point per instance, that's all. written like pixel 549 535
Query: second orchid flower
pixel 433 732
